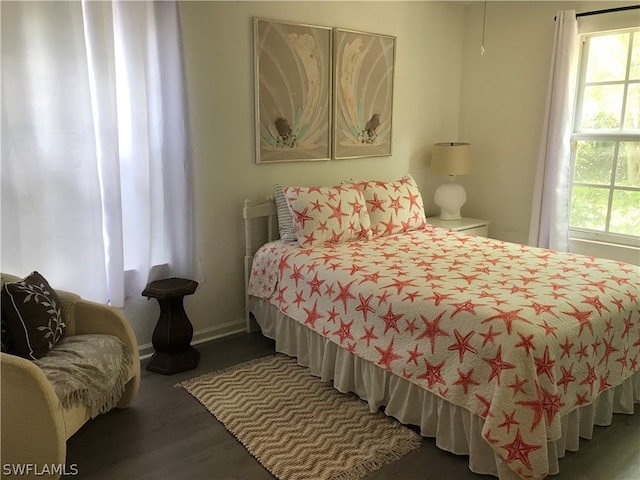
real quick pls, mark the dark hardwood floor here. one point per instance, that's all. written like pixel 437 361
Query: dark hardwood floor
pixel 167 434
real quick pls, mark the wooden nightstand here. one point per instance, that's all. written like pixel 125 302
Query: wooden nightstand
pixel 470 226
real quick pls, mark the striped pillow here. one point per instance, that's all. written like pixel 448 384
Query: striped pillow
pixel 285 220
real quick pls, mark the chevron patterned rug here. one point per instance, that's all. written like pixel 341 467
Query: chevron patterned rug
pixel 297 426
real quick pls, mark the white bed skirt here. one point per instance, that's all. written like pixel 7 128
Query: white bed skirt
pixel 455 429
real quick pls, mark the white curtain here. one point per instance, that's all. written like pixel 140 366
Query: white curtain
pixel 549 226
pixel 95 163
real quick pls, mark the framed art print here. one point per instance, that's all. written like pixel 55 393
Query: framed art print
pixel 293 75
pixel 363 103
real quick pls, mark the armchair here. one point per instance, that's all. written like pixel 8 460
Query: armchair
pixel 34 423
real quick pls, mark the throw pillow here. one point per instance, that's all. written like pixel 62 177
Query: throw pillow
pixel 5 344
pixel 33 313
pixel 285 221
pixel 326 215
pixel 394 207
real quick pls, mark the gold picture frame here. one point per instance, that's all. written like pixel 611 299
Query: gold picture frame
pixel 293 87
pixel 363 94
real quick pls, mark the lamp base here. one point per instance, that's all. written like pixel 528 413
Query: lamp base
pixel 450 197
pixel 444 216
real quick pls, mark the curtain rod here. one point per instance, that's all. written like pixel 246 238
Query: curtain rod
pixel 607 10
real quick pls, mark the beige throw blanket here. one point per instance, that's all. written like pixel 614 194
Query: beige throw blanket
pixel 89 370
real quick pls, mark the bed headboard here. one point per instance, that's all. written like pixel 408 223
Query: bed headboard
pixel 251 212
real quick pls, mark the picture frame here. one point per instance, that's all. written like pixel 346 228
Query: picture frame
pixel 293 88
pixel 363 94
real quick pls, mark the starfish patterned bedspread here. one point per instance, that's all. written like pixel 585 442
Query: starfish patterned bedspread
pixel 517 335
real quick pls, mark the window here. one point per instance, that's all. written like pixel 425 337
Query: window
pixel 605 196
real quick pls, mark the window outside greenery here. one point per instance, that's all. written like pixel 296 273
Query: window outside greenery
pixel 605 197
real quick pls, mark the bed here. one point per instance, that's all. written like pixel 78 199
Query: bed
pixel 506 353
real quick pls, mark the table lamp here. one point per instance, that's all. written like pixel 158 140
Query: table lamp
pixel 451 158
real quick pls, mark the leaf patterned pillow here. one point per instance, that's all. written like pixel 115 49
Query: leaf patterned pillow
pixel 5 345
pixel 33 314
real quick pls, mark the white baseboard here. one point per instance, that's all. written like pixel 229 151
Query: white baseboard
pixel 201 336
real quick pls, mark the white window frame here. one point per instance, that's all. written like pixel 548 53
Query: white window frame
pixel 616 136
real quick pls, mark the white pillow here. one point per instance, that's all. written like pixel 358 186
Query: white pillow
pixel 326 215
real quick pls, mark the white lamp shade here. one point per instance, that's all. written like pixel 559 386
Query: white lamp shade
pixel 451 158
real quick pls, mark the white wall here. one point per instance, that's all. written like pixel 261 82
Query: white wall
pixel 444 90
pixel 502 107
pixel 218 44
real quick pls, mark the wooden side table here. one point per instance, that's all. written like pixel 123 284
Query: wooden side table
pixel 173 333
